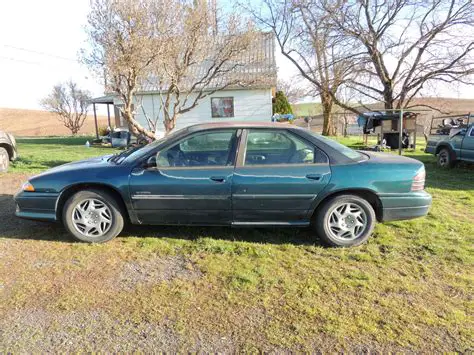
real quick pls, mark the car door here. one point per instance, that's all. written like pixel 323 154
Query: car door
pixel 467 150
pixel 190 182
pixel 277 177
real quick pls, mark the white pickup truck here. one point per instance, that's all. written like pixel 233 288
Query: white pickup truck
pixel 8 151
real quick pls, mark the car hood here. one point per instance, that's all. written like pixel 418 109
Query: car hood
pixel 79 165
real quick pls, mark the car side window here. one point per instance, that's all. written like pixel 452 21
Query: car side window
pixel 214 148
pixel 277 147
pixel 472 132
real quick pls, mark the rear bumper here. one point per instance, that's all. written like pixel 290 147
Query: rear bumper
pixel 36 205
pixel 405 206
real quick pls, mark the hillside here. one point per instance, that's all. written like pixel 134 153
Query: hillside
pixel 303 109
pixel 24 123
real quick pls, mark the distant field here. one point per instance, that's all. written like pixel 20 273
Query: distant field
pixel 34 123
pixel 307 109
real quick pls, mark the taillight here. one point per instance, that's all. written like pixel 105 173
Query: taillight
pixel 419 181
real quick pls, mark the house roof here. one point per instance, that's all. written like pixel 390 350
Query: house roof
pixel 254 68
pixel 107 99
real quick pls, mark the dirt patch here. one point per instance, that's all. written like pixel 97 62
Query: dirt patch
pixel 40 331
pixel 156 270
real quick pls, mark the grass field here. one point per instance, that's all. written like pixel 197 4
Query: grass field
pixel 409 288
pixel 22 122
pixel 38 154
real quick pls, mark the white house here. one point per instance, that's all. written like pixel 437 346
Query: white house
pixel 250 103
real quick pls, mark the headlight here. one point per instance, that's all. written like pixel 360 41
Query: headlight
pixel 28 187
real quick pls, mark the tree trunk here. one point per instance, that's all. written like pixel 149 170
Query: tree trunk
pixel 169 123
pixel 388 103
pixel 135 127
pixel 346 122
pixel 329 128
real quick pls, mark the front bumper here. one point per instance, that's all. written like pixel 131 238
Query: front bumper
pixel 405 206
pixel 36 205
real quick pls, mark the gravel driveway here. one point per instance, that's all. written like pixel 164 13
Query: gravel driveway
pixel 43 275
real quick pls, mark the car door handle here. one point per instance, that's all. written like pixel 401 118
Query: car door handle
pixel 316 177
pixel 218 178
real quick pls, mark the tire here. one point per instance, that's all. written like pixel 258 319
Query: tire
pixel 4 160
pixel 93 216
pixel 351 225
pixel 445 159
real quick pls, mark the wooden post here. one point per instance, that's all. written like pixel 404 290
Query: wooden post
pixel 108 116
pixel 95 119
pixel 400 132
pixel 416 128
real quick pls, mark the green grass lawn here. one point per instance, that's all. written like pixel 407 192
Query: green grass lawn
pixel 38 154
pixel 408 289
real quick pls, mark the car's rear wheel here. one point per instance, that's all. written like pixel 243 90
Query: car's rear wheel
pixel 4 160
pixel 93 216
pixel 344 221
pixel 445 159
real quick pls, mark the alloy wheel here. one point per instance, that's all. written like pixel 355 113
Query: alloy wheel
pixel 347 221
pixel 92 218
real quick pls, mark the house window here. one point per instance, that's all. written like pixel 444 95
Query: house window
pixel 222 107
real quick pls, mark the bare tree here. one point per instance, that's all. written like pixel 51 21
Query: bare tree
pixel 175 48
pixel 70 104
pixel 306 36
pixel 292 90
pixel 408 45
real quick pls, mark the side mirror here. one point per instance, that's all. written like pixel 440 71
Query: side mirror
pixel 151 162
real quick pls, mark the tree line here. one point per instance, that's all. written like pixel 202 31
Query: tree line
pixel 360 51
pixel 347 52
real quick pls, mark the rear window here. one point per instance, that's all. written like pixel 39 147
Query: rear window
pixel 346 151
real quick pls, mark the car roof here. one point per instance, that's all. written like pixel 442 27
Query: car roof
pixel 240 124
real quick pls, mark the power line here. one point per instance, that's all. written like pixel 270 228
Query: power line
pixel 40 53
pixel 20 60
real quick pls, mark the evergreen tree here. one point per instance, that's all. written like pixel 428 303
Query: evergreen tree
pixel 281 104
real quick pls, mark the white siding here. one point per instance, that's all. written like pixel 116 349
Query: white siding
pixel 249 105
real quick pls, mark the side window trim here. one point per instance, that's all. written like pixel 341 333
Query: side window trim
pixel 242 150
pixel 232 144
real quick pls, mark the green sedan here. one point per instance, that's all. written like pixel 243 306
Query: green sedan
pixel 231 174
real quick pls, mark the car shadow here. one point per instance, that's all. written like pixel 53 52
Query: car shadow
pixel 12 227
pixel 296 236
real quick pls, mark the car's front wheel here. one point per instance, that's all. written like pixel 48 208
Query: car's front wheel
pixel 93 216
pixel 4 160
pixel 344 221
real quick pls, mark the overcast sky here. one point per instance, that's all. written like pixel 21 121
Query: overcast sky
pixel 39 44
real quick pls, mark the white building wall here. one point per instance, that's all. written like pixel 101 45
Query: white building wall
pixel 249 105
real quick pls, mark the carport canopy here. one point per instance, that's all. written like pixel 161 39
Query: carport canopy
pixel 104 100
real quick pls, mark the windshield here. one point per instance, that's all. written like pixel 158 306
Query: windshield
pixel 348 152
pixel 120 157
pixel 140 151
